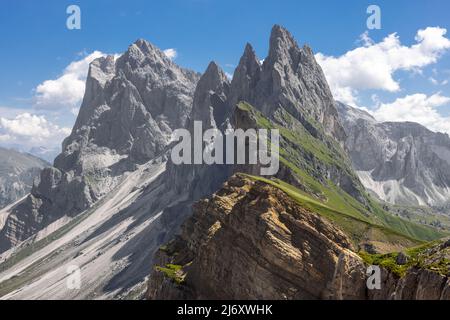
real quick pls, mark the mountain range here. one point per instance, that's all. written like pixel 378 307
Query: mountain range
pixel 115 206
pixel 17 173
pixel 401 162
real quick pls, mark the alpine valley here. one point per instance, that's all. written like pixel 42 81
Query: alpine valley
pixel 350 192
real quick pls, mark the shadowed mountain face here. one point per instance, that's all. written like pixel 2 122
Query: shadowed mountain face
pixel 294 236
pixel 252 241
pixel 130 108
pixel 114 196
pixel 17 173
pixel 290 91
pixel 402 163
pixel 289 79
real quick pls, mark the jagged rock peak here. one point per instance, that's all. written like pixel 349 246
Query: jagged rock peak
pixel 307 56
pixel 281 42
pixel 246 76
pixel 214 73
pixel 210 94
pixel 101 69
pixel 145 46
pixel 106 64
pixel 213 80
pixel 249 63
pixel 142 52
pixel 249 55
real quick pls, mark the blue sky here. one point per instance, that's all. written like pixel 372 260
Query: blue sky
pixel 37 46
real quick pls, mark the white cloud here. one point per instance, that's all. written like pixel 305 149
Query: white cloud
pixel 418 108
pixel 437 82
pixel 65 92
pixel 30 130
pixel 57 99
pixel 171 53
pixel 8 112
pixel 373 65
pixel 433 81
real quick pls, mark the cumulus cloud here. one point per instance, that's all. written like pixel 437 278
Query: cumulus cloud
pixel 433 81
pixel 65 92
pixel 171 53
pixel 418 108
pixel 54 99
pixel 9 112
pixel 30 130
pixel 373 65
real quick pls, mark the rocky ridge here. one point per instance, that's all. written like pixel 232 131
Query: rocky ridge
pixel 250 240
pixel 17 174
pixel 290 91
pixel 113 197
pixel 402 163
pixel 130 108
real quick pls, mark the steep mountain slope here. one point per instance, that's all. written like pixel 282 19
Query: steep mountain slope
pixel 251 240
pixel 48 154
pixel 17 173
pixel 127 116
pixel 114 196
pixel 402 163
pixel 104 206
pixel 323 174
pixel 290 90
pixel 112 243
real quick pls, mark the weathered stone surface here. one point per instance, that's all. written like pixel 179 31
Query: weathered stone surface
pixel 403 163
pixel 289 78
pixel 289 83
pixel 17 173
pixel 130 108
pixel 251 241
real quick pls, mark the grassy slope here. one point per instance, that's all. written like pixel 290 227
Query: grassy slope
pixel 420 256
pixel 361 222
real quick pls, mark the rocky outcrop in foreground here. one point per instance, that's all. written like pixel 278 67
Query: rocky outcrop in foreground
pixel 252 241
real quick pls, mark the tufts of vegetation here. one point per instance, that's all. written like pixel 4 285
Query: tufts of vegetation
pixel 307 156
pixel 173 272
pixel 419 257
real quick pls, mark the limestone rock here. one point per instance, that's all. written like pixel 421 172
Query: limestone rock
pixel 401 162
pixel 130 108
pixel 17 174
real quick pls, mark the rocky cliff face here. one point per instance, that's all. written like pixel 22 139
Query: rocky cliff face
pixel 130 108
pixel 290 91
pixel 211 108
pixel 289 79
pixel 252 241
pixel 17 173
pixel 113 198
pixel 402 163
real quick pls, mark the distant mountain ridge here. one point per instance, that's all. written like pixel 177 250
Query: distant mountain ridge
pixel 17 174
pixel 48 154
pixel 401 162
pixel 113 197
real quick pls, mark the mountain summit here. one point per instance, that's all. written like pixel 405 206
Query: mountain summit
pixel 130 108
pixel 114 198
